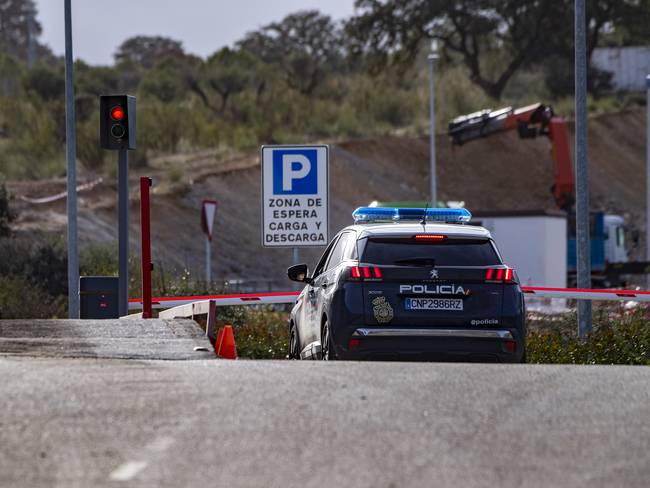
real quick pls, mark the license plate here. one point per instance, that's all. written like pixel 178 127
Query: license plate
pixel 433 304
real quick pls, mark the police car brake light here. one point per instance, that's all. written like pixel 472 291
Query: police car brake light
pixel 500 275
pixel 430 237
pixel 358 273
pixel 391 214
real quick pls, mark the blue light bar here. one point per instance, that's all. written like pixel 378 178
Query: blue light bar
pixel 385 214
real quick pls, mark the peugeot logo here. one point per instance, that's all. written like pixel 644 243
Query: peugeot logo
pixel 434 274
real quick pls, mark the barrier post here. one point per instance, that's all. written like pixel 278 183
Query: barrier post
pixel 145 236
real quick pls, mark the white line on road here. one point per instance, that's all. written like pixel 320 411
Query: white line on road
pixel 127 470
pixel 130 469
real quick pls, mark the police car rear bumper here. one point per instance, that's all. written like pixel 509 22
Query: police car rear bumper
pixel 431 344
pixel 410 332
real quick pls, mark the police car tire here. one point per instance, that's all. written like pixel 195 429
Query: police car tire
pixel 294 352
pixel 524 358
pixel 327 333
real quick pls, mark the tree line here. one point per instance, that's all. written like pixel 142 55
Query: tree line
pixel 305 76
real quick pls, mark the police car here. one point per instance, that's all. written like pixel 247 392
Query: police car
pixel 405 283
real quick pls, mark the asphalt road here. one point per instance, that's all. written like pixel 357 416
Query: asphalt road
pixel 127 339
pixel 96 422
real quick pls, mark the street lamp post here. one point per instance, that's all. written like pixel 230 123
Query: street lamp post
pixel 71 156
pixel 432 58
pixel 647 198
pixel 583 245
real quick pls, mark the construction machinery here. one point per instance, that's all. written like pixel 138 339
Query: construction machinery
pixel 609 257
pixel 530 122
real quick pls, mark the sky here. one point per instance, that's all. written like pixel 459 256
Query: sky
pixel 100 26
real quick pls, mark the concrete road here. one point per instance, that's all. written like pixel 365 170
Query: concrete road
pixel 94 422
pixel 127 339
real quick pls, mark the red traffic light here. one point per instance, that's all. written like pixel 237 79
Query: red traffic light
pixel 117 113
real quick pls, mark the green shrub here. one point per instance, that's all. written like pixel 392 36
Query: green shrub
pixel 44 264
pixel 6 214
pixel 21 298
pixel 98 260
pixel 617 338
pixel 259 334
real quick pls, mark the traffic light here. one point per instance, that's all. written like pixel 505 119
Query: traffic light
pixel 117 122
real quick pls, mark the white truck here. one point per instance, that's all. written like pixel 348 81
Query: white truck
pixel 540 246
pixel 534 243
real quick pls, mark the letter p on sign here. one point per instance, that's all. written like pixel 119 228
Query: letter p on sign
pixel 295 172
pixel 294 167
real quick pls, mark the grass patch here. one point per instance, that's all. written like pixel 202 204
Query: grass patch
pixel 260 333
pixel 619 336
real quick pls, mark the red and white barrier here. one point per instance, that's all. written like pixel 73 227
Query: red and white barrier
pixel 291 296
pixel 586 294
pixel 221 300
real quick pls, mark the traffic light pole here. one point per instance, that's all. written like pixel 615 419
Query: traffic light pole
pixel 123 219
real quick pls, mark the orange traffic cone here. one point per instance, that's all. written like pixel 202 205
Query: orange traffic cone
pixel 218 342
pixel 227 348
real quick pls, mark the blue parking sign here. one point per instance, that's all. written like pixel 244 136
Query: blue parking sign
pixel 295 172
pixel 295 195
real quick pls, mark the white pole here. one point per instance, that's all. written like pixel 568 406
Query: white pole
pixel 432 120
pixel 647 197
pixel 208 261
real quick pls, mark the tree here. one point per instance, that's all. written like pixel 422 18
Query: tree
pixel 146 51
pixel 227 73
pixel 166 80
pixel 48 83
pixel 518 33
pixel 306 45
pixel 17 23
pixel 468 29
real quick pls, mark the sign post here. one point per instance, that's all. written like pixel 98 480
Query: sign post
pixel 295 196
pixel 145 240
pixel 208 211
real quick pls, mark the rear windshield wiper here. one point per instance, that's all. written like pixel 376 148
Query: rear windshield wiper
pixel 417 261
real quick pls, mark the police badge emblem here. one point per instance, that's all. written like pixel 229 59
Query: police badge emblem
pixel 382 310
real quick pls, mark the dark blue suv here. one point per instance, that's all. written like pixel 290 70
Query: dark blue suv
pixel 409 284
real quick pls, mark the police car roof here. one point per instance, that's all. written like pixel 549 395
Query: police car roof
pixel 410 228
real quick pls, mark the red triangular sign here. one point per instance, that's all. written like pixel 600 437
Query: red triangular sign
pixel 208 212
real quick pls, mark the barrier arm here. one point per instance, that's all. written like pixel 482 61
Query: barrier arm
pixel 221 300
pixel 291 297
pixel 587 294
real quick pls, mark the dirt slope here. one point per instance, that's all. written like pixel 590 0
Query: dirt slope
pixel 499 173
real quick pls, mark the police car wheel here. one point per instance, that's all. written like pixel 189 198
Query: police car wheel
pixel 327 349
pixel 294 353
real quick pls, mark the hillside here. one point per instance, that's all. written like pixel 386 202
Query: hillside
pixel 499 173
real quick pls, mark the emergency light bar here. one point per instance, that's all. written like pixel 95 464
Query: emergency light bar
pixel 384 214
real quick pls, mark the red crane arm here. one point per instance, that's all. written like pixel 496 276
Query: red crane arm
pixel 564 187
pixel 530 121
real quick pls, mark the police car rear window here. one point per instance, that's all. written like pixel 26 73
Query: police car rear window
pixel 453 252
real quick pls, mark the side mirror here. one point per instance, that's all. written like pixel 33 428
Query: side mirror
pixel 299 272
